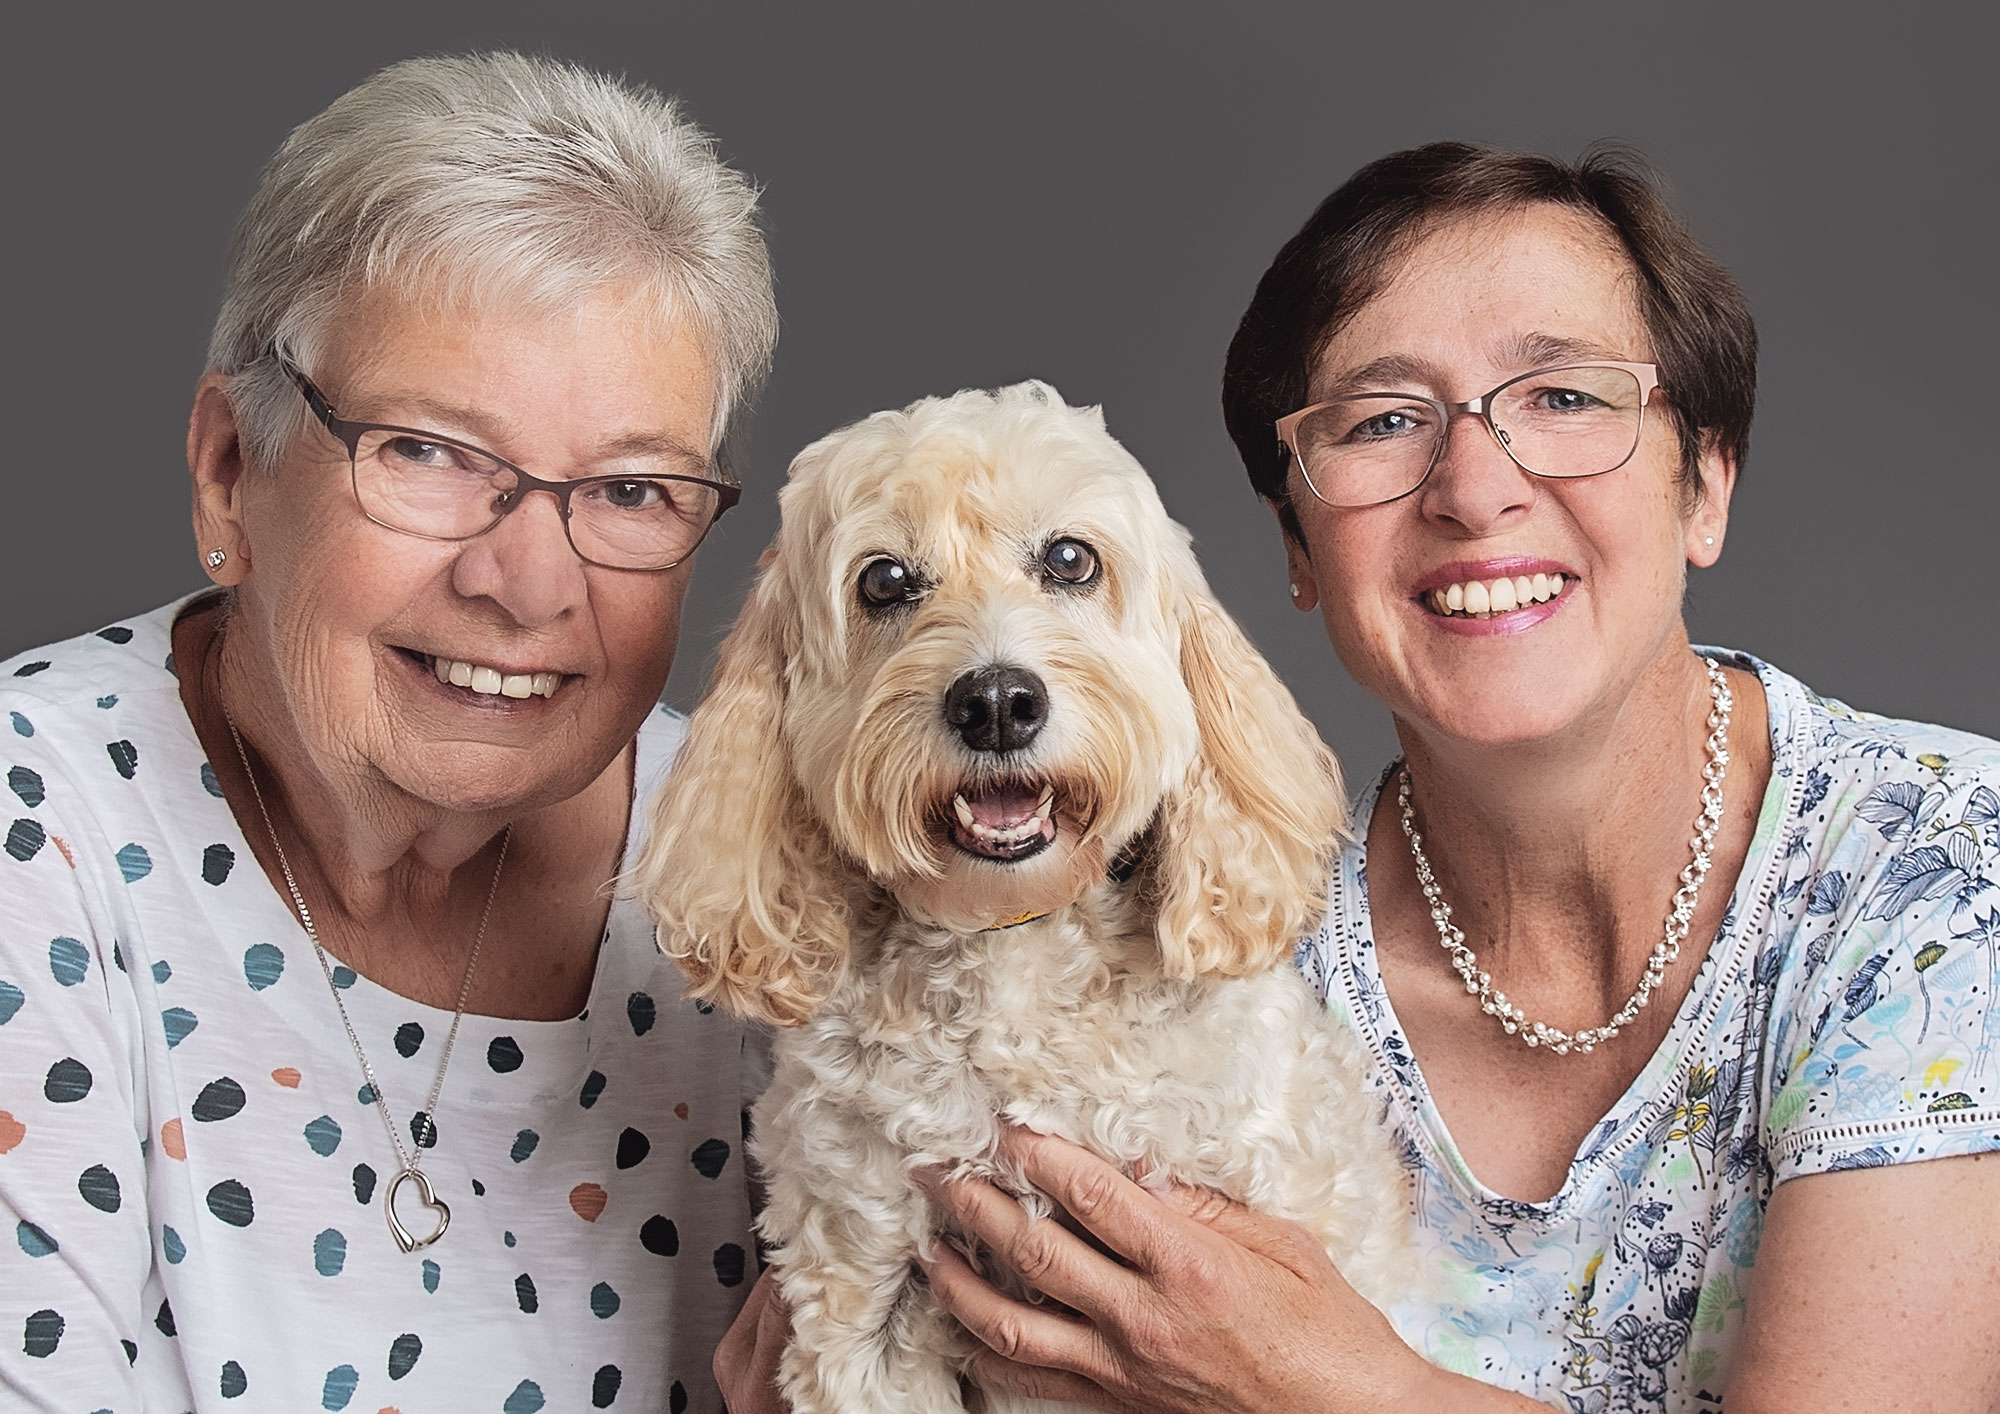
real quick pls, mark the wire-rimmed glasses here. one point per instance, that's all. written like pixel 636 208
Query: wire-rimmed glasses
pixel 439 488
pixel 1574 420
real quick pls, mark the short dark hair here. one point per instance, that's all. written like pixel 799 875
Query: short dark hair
pixel 1704 339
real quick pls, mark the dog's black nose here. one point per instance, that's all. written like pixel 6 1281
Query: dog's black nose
pixel 998 708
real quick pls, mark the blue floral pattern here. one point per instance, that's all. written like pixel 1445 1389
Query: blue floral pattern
pixel 1845 1017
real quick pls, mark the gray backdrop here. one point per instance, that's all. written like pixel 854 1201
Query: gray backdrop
pixel 1086 193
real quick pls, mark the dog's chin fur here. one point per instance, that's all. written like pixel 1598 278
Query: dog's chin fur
pixel 802 869
pixel 968 894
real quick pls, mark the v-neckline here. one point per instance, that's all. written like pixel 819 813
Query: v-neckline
pixel 1355 974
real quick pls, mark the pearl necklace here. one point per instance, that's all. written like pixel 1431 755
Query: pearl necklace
pixel 1681 915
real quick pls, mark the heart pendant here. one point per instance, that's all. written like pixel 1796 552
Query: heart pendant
pixel 404 1239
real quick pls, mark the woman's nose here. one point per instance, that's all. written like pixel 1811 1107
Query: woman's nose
pixel 525 564
pixel 1474 482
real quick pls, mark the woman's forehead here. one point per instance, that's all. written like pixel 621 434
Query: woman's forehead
pixel 1495 292
pixel 388 321
pixel 603 371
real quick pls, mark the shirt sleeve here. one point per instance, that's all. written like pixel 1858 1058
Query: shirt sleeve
pixel 77 1249
pixel 1891 1051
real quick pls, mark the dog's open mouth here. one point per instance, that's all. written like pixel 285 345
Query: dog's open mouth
pixel 1005 821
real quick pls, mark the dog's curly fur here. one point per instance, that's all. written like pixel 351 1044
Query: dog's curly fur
pixel 803 870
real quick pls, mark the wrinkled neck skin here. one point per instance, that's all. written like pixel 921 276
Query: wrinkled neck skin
pixel 365 838
pixel 1553 843
pixel 373 861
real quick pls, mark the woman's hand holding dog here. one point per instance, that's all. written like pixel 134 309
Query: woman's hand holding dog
pixel 746 1362
pixel 1219 1307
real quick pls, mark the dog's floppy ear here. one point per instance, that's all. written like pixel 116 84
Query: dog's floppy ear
pixel 747 895
pixel 1240 863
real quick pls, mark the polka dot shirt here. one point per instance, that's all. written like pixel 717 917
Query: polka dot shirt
pixel 192 1168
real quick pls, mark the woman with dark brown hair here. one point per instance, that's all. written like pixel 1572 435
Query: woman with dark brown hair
pixel 1677 980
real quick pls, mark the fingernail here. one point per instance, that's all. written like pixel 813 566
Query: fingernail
pixel 926 1178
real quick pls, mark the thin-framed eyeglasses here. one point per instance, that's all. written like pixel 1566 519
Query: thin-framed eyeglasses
pixel 439 488
pixel 1572 420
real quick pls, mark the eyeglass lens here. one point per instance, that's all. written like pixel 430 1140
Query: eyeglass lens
pixel 1562 422
pixel 642 518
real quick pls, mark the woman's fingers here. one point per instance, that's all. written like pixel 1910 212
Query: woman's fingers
pixel 1043 1253
pixel 1036 1382
pixel 741 1337
pixel 746 1360
pixel 1032 1335
pixel 1277 1239
pixel 1137 1219
pixel 1125 1217
pixel 1206 1316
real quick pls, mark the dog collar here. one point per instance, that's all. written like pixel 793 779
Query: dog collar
pixel 1017 921
pixel 1121 871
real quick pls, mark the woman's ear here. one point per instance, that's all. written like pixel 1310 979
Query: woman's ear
pixel 748 896
pixel 1708 522
pixel 1299 570
pixel 218 466
pixel 1298 561
pixel 1247 842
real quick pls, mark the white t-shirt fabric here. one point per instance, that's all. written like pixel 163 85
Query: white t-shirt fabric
pixel 191 1175
pixel 1845 1017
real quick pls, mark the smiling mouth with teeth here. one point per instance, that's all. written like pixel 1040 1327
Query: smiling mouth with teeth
pixel 491 682
pixel 1481 599
pixel 1005 822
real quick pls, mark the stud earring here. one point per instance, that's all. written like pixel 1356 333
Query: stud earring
pixel 1708 539
pixel 1295 591
pixel 215 558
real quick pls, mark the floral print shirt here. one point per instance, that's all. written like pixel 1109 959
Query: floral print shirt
pixel 1844 1018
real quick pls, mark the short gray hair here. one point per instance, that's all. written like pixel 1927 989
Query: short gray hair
pixel 490 176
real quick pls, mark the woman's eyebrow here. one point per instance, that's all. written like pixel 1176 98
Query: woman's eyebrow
pixel 483 430
pixel 461 423
pixel 1540 350
pixel 1400 373
pixel 660 445
pixel 1390 373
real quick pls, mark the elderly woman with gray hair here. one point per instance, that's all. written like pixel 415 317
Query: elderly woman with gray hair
pixel 340 1078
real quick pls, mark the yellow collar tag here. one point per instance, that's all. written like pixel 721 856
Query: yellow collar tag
pixel 1018 921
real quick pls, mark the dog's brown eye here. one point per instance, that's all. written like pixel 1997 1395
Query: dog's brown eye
pixel 1070 561
pixel 887 582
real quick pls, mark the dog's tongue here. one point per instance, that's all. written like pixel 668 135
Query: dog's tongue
pixel 1002 807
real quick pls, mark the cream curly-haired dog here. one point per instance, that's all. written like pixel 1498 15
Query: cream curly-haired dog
pixel 993 803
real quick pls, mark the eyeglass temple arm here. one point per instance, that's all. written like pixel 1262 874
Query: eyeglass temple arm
pixel 315 399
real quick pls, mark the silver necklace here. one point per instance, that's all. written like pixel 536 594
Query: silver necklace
pixel 409 1172
pixel 1679 916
